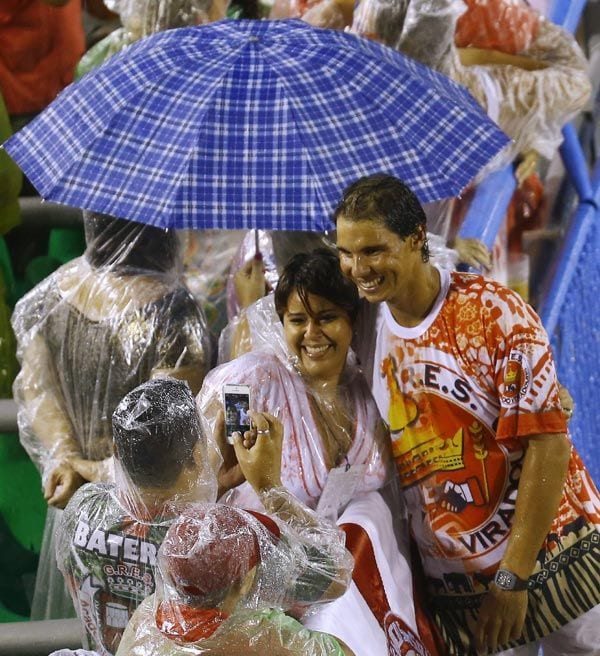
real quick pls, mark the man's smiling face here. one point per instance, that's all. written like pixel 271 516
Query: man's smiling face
pixel 376 259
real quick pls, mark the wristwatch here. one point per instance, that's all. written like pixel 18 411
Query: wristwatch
pixel 507 580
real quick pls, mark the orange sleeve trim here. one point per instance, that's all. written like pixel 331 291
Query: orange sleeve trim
pixel 525 424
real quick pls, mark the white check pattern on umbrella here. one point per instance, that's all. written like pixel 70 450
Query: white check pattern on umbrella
pixel 251 124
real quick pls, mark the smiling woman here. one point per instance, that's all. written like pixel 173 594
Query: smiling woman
pixel 310 384
pixel 319 334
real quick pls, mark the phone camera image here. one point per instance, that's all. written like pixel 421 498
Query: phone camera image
pixel 237 405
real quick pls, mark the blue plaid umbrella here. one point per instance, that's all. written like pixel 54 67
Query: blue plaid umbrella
pixel 251 124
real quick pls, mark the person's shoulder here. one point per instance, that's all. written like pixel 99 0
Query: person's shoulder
pixel 34 307
pixel 498 307
pixel 176 298
pixel 249 365
pixel 479 289
pixel 89 494
pixel 90 501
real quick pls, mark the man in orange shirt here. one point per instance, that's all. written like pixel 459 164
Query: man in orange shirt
pixel 505 515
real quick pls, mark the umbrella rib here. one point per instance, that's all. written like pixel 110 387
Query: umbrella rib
pixel 438 163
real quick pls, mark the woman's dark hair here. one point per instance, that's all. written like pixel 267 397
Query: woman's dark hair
pixel 127 246
pixel 382 197
pixel 316 273
pixel 155 429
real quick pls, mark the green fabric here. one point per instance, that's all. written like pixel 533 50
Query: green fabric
pixel 11 179
pixel 22 513
pixel 288 625
pixel 8 277
pixel 65 244
pixel 21 501
pixel 8 346
pixel 40 268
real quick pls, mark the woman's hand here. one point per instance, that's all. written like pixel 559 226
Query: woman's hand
pixel 250 282
pixel 259 450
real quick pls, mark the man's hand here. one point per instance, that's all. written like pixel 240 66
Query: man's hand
pixel 259 450
pixel 501 618
pixel 61 483
pixel 528 165
pixel 566 401
pixel 330 14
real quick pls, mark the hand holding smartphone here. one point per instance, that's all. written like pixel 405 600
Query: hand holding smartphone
pixel 236 401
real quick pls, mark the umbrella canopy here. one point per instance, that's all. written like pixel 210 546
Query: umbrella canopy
pixel 251 124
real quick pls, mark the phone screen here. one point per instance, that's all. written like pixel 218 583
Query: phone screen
pixel 236 399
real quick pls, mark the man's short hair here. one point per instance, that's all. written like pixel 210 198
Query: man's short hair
pixel 384 198
pixel 155 429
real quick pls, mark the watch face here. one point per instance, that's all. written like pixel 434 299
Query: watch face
pixel 505 579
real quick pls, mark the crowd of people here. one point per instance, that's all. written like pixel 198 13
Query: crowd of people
pixel 404 482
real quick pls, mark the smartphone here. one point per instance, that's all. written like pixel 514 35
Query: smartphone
pixel 236 401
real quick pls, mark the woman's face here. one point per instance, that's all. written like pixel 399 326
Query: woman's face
pixel 320 339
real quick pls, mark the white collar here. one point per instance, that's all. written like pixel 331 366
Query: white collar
pixel 418 330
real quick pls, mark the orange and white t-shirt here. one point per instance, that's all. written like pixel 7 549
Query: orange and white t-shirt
pixel 460 392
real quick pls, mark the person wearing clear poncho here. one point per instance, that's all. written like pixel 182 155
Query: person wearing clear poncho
pixel 336 451
pixel 109 534
pixel 88 334
pixel 229 576
pixel 530 89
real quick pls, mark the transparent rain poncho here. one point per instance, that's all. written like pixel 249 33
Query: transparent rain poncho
pixel 355 491
pixel 109 535
pixel 231 581
pixel 144 17
pixel 276 247
pixel 531 106
pixel 207 259
pixel 140 18
pixel 88 334
pixel 382 20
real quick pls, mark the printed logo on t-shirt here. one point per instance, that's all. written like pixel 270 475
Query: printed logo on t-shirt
pixel 462 469
pixel 517 379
